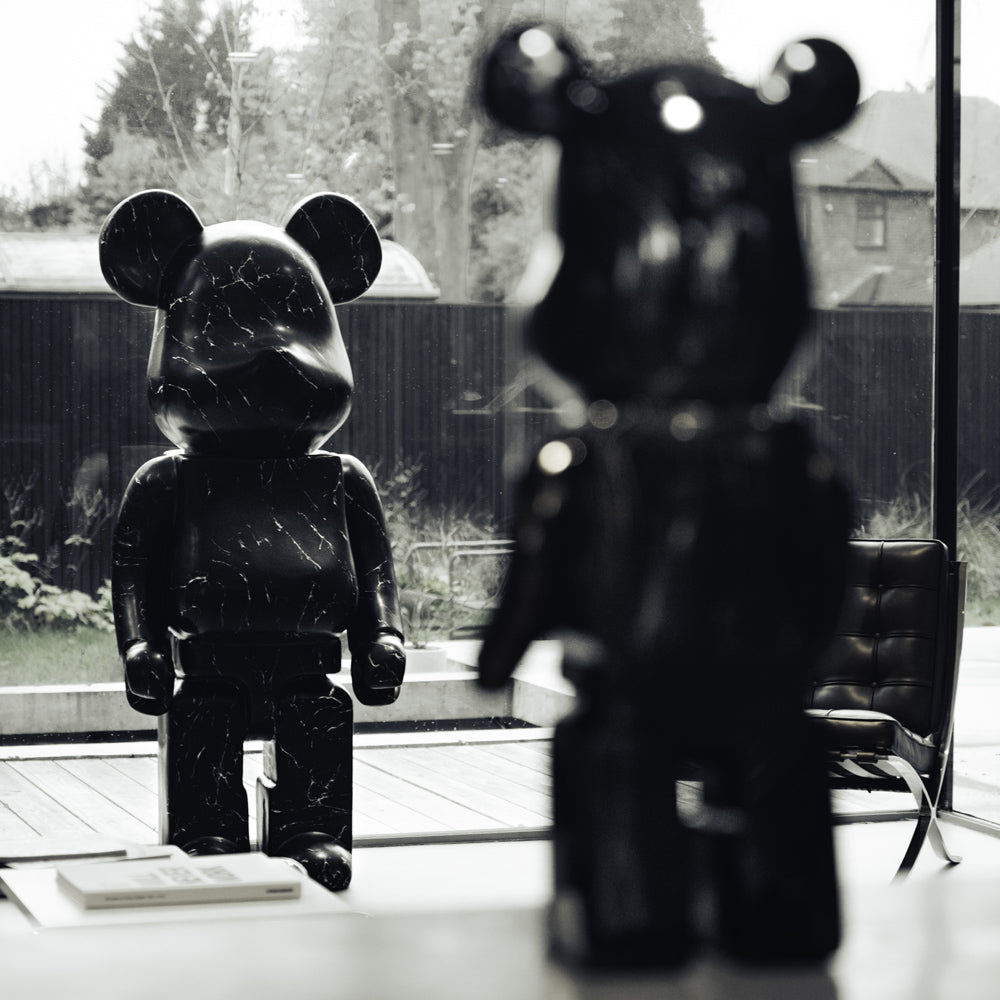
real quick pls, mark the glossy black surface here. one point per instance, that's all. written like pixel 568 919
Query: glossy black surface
pixel 687 546
pixel 241 557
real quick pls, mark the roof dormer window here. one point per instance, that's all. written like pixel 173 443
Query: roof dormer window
pixel 869 230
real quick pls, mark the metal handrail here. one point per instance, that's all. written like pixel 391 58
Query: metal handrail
pixel 462 549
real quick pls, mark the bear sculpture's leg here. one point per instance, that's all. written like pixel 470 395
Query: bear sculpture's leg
pixel 305 796
pixel 203 804
pixel 772 866
pixel 621 866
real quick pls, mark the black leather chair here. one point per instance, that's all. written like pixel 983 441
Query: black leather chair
pixel 883 696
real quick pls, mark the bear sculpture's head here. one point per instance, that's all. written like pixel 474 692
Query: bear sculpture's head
pixel 674 268
pixel 247 356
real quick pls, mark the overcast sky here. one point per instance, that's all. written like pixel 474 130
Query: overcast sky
pixel 55 54
pixel 54 57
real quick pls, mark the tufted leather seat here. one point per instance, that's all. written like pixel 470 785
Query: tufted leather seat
pixel 882 697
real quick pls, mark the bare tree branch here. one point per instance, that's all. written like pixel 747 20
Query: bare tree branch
pixel 168 111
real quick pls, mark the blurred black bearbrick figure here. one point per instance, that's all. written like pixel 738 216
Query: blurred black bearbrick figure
pixel 687 546
pixel 242 556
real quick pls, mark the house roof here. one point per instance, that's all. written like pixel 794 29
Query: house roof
pixel 911 285
pixel 67 262
pixel 902 285
pixel 979 276
pixel 897 127
pixel 890 146
pixel 834 163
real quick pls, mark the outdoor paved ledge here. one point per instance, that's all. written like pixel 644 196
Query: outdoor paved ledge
pixel 539 696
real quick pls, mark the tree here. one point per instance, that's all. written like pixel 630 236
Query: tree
pixel 47 201
pixel 160 91
pixel 133 162
pixel 378 102
pixel 427 69
pixel 444 187
pixel 643 32
pixel 392 121
pixel 333 112
pixel 507 214
pixel 183 111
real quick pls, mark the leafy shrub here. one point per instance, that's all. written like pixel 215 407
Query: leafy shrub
pixel 27 602
pixel 16 582
pixel 28 598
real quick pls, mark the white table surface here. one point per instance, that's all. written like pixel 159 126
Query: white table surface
pixel 924 941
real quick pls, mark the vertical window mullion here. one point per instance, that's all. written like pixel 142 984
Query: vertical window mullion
pixel 947 199
pixel 944 497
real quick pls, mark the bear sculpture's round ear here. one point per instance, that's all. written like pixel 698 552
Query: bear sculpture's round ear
pixel 138 239
pixel 813 88
pixel 532 80
pixel 335 231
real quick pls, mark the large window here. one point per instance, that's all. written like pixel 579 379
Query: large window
pixel 866 381
pixel 245 108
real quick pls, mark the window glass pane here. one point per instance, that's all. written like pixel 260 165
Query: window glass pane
pixel 977 735
pixel 246 113
pixel 862 381
pixel 243 109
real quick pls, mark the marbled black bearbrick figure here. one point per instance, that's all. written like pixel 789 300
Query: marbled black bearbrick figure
pixel 243 555
pixel 687 545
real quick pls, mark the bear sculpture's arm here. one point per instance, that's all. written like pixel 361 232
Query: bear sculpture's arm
pixel 376 635
pixel 140 575
pixel 535 597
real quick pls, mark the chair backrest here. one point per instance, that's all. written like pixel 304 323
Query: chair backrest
pixel 895 648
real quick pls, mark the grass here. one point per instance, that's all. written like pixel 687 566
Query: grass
pixel 87 655
pixel 978 546
pixel 58 656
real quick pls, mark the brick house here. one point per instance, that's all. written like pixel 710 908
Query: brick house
pixel 866 205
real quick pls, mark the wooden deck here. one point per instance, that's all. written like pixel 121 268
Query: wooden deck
pixel 426 788
pixel 435 787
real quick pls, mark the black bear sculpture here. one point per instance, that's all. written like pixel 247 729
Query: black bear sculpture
pixel 243 555
pixel 686 544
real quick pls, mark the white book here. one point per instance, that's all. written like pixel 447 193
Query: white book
pixel 217 878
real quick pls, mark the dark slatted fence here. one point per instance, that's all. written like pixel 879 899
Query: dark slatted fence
pixel 442 387
pixel 864 383
pixel 74 418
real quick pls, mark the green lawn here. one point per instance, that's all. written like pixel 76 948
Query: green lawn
pixel 57 656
